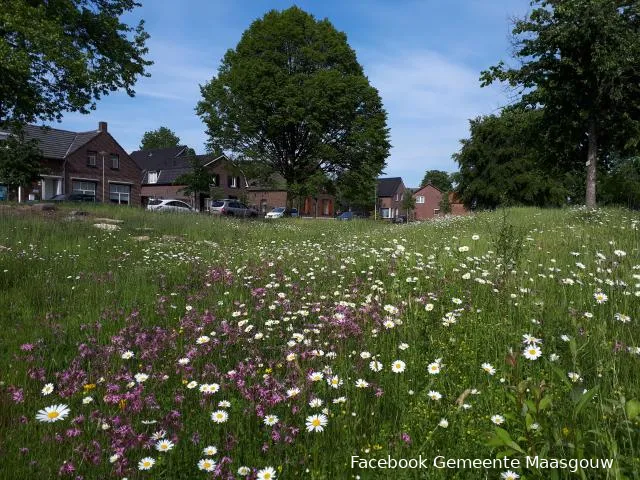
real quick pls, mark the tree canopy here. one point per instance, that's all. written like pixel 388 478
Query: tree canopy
pixel 439 179
pixel 580 61
pixel 63 55
pixel 505 162
pixel 19 161
pixel 293 96
pixel 163 137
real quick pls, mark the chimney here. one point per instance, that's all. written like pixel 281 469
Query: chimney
pixel 102 126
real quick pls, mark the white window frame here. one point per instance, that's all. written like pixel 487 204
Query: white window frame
pixel 234 182
pixel 387 211
pixel 155 174
pixel 122 196
pixel 92 158
pixel 83 187
pixel 420 199
pixel 116 157
pixel 436 211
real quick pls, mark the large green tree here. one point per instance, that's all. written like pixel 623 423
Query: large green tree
pixel 293 96
pixel 19 161
pixel 63 55
pixel 504 161
pixel 580 60
pixel 163 137
pixel 438 178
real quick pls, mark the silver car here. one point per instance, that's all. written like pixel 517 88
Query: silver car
pixel 232 208
pixel 169 205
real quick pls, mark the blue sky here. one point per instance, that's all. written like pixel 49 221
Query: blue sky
pixel 424 56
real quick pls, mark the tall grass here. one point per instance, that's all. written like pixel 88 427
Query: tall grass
pixel 279 300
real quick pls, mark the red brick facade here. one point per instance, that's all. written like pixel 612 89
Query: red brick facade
pixel 266 200
pixel 103 174
pixel 428 200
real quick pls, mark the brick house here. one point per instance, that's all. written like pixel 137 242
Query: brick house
pixel 389 193
pixel 428 199
pixel 266 196
pixel 91 162
pixel 160 168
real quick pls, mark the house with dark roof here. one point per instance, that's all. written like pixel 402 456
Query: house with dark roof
pixel 161 168
pixel 389 194
pixel 429 202
pixel 92 163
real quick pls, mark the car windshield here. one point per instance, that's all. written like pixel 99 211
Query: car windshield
pixel 155 202
pixel 217 204
pixel 278 210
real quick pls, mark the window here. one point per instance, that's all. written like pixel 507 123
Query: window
pixel 420 199
pixel 87 188
pixel 91 159
pixel 119 193
pixel 152 177
pixel 215 180
pixel 115 161
pixel 263 206
pixel 233 182
pixel 397 197
pixel 436 211
pixel 385 213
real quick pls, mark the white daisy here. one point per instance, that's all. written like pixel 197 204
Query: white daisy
pixel 375 365
pixel 207 464
pixel 219 416
pixel 141 377
pixel 209 451
pixel 361 383
pixel 497 419
pixel 532 352
pixel 270 420
pixel 433 368
pixel 164 445
pixel 47 389
pixel 398 366
pixel 244 471
pixel 146 463
pixel 53 413
pixel 127 355
pixel 267 473
pixel 316 423
pixel 487 367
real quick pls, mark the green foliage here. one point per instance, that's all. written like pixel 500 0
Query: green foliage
pixel 621 186
pixel 64 55
pixel 163 137
pixel 505 162
pixel 19 160
pixel 580 61
pixel 439 179
pixel 196 181
pixel 408 203
pixel 445 203
pixel 292 96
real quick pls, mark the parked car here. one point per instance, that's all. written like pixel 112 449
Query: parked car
pixel 72 197
pixel 232 208
pixel 169 205
pixel 347 216
pixel 280 212
pixel 400 219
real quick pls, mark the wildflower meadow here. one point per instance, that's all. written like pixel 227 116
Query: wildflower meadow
pixel 142 345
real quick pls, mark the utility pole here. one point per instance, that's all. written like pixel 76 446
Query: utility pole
pixel 104 154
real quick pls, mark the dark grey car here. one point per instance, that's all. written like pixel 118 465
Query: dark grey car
pixel 232 208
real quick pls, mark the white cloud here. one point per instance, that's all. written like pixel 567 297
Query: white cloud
pixel 429 99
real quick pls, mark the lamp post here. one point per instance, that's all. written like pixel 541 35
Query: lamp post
pixel 103 154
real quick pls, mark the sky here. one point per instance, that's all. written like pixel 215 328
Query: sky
pixel 423 56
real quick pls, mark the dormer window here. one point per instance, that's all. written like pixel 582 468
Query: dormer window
pixel 152 177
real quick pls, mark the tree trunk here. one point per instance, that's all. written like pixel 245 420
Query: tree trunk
pixel 592 158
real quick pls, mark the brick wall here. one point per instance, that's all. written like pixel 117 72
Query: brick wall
pixel 432 197
pixel 76 168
